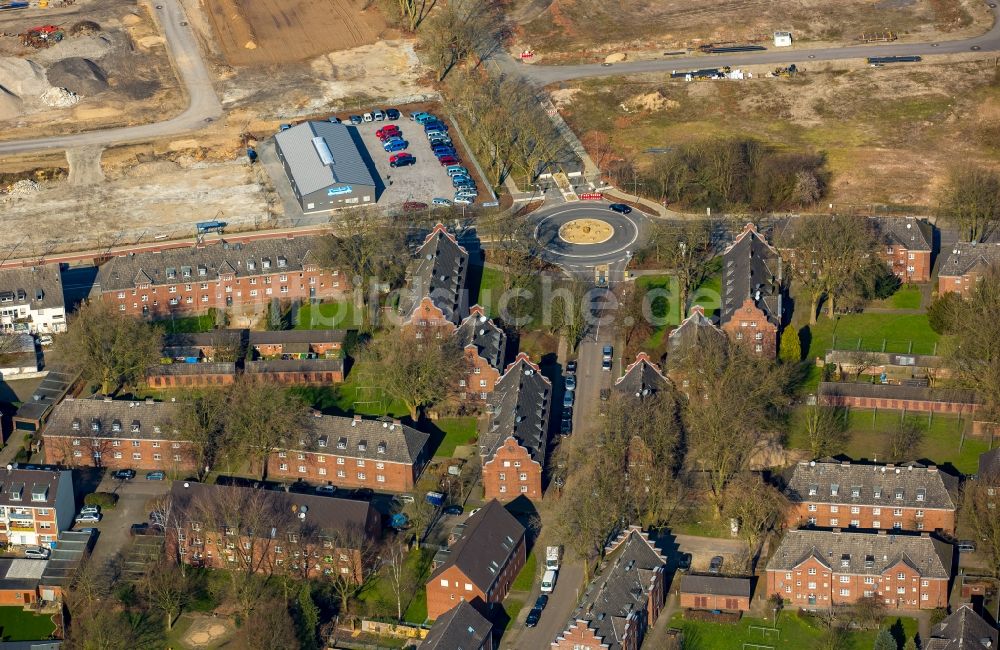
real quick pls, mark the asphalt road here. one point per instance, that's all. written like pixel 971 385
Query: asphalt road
pixel 203 107
pixel 556 614
pixel 630 233
pixel 546 74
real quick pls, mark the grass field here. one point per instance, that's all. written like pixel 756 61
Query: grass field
pixel 455 432
pixel 526 578
pixel 19 625
pixel 669 309
pixel 908 297
pixel 352 397
pixel 942 443
pixel 380 599
pixel 328 315
pixel 900 333
pixel 188 324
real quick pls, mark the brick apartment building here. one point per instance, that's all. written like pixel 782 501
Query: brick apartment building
pixel 118 434
pixel 964 264
pixel 354 452
pixel 642 377
pixel 814 569
pixel 266 531
pixel 850 495
pixel 481 564
pixel 485 345
pixel 752 292
pixel 435 296
pixel 514 441
pixel 463 627
pixel 35 505
pixel 236 277
pixel 31 300
pixel 711 592
pixel 623 602
pixel 907 244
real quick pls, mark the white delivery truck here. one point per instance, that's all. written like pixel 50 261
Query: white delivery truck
pixel 549 581
pixel 552 556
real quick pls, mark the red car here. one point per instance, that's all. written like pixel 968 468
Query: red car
pixel 387 132
pixel 401 160
pixel 413 206
pixel 448 160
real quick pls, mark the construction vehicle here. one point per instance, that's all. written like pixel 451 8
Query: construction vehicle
pixel 786 71
pixel 44 36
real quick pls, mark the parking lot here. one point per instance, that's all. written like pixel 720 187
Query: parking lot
pixel 133 498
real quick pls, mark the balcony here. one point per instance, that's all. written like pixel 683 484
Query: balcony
pixel 22 527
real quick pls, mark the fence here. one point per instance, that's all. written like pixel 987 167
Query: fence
pixel 893 346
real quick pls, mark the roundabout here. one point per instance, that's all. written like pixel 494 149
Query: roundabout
pixel 582 235
pixel 586 231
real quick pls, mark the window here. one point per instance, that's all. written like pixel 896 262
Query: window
pixel 876 511
pixel 924 597
pixel 136 456
pixel 361 476
pixel 920 513
pixel 503 476
pixel 897 512
pixel 869 580
pixel 302 469
pixel 812 507
pixel 899 493
pixel 900 576
pixel 524 489
pixel 834 489
pixel 845 592
pixel 856 491
pixel 380 478
pixel 834 521
pixel 341 473
pixel 855 523
pixel 177 458
pixel 812 571
pixel 921 493
pixel 811 585
pixel 897 525
pixel 876 524
pixel 845 579
pixel 283 467
pixel 925 583
pixel 834 509
pixel 855 510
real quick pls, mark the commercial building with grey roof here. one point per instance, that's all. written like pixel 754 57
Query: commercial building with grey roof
pixel 327 166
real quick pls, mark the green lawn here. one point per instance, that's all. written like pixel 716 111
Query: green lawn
pixel 942 444
pixel 526 578
pixel 900 333
pixel 351 397
pixel 512 607
pixel 328 315
pixel 380 599
pixel 908 297
pixel 456 431
pixel 490 288
pixel 665 307
pixel 18 625
pixel 188 324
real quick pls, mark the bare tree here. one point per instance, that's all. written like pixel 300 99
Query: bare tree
pixel 631 316
pixel 109 347
pixel 971 200
pixel 201 422
pixel 261 416
pixel 359 562
pixel 272 627
pixel 394 564
pixel 568 312
pixel 755 504
pixel 981 509
pixel 826 429
pixel 973 350
pixel 166 586
pixel 902 440
pixel 686 248
pixel 868 612
pixel 861 361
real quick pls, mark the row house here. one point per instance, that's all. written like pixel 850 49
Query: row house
pixel 267 531
pixel 485 347
pixel 31 300
pixel 241 277
pixel 462 627
pixel 752 292
pixel 906 245
pixel 694 333
pixel 813 569
pixel 641 378
pixel 964 264
pixel 514 439
pixel 835 494
pixel 35 505
pixel 352 452
pixel 712 592
pixel 434 298
pixel 623 602
pixel 191 375
pixel 118 434
pixel 480 566
pixel 293 372
pixel 297 344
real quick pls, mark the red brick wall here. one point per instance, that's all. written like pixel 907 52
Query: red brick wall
pixel 441 598
pixel 932 519
pixel 479 382
pixel 900 259
pixel 750 327
pixel 709 601
pixel 61 450
pixel 957 283
pixel 397 477
pixel 277 349
pixel 17 597
pixel 182 381
pixel 512 473
pixel 922 406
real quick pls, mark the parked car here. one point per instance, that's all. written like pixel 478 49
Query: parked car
pixel 89 518
pixel 466 194
pixel 284 127
pixel 438 141
pixel 36 553
pixel 417 115
pixel 435 134
pixel 436 125
pixel 447 160
pixel 396 145
pixel 123 474
pixel 413 206
pixel 156 476
pixel 620 208
pixel 89 531
pixel 607 352
pixel 454 510
pixel 966 546
pixel 606 365
pixel 45 340
pixel 463 200
pixel 549 581
pixel 715 565
pixel 402 160
pixel 570 382
pixel 567 399
pixel 457 169
pixel 90 510
pixel 441 202
pixel 387 131
pixel 443 148
pixel 571 367
pixel 356 119
pixel 422 118
pixel 144 529
pixel 368 117
pixel 565 427
pixel 326 489
pixel 392 114
pixel 541 601
pixel 378 115
pixel 333 119
pixel 533 617
pixel 683 561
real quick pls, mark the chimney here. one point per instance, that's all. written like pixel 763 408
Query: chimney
pixel 889 465
pixel 932 468
pixel 925 534
pixel 397 422
pixel 107 398
pixel 357 418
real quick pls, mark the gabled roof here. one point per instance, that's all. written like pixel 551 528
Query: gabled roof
pixel 715 585
pixel 751 268
pixel 642 377
pixel 39 287
pixel 484 335
pixel 907 486
pixel 964 629
pixel 120 418
pixel 962 257
pixel 204 263
pixel 438 272
pixel 909 232
pixel 374 439
pixel 488 541
pixel 36 488
pixel 620 588
pixel 693 332
pixel 460 628
pixel 339 162
pixel 862 553
pixel 519 406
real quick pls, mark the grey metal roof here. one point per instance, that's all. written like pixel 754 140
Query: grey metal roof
pixel 863 553
pixel 481 332
pixel 519 406
pixel 907 486
pixel 962 257
pixel 848 357
pixel 345 167
pixel 125 419
pixel 39 287
pixel 373 439
pixel 487 543
pixel 263 366
pixel 641 377
pixel 751 268
pixel 895 391
pixel 620 588
pixel 51 390
pixel 181 369
pixel 213 339
pixel 460 628
pixel 439 272
pixel 715 585
pixel 31 645
pixel 912 233
pixel 964 629
pixel 199 263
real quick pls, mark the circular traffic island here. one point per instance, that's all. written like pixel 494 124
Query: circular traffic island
pixel 586 231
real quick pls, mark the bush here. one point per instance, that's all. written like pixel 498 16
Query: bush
pixel 102 499
pixel 943 311
pixel 791 347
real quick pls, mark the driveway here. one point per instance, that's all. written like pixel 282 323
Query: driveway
pixel 131 509
pixel 556 615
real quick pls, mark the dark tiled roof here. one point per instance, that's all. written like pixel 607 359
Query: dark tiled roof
pixel 32 484
pixel 642 377
pixel 519 406
pixel 621 588
pixel 115 419
pixel 962 257
pixel 460 628
pixel 297 336
pixel 751 268
pixel 912 233
pixel 439 272
pixel 715 585
pixel 894 391
pixel 181 369
pixel 39 287
pixel 989 463
pixel 207 263
pixel 864 553
pixel 963 630
pixel 481 332
pixel 694 331
pixel 50 391
pixel 357 437
pixel 919 486
pixel 486 545
pixel 215 338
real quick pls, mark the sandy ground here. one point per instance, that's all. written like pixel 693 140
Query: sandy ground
pixel 586 231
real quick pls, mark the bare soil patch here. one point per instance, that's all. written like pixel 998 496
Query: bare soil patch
pixel 586 231
pixel 263 32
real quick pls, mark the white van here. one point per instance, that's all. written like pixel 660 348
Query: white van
pixel 368 117
pixel 549 581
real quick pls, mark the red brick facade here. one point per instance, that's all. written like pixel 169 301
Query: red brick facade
pixel 750 327
pixel 175 456
pixel 910 266
pixel 712 601
pixel 883 517
pixel 321 468
pixel 961 284
pixel 580 637
pixel 511 473
pixel 428 320
pixel 190 375
pixel 452 586
pixel 482 377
